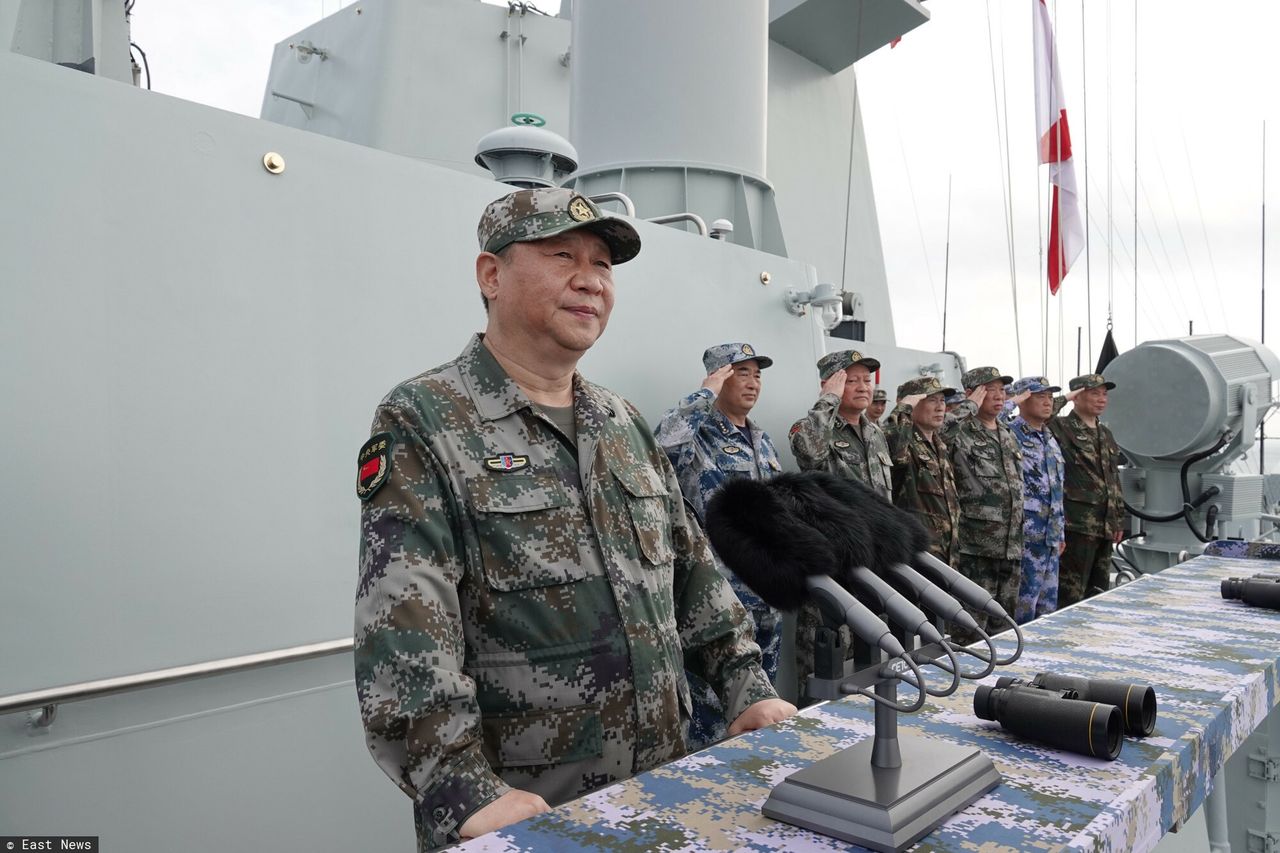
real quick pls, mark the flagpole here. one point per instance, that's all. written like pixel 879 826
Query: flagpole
pixel 1262 430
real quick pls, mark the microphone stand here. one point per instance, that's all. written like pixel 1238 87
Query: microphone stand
pixel 888 791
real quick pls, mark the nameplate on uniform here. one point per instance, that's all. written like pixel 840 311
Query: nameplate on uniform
pixel 505 462
pixel 373 464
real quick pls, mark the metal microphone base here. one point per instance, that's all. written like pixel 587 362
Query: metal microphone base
pixel 888 809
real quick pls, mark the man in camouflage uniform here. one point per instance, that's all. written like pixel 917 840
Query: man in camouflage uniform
pixel 879 401
pixel 710 438
pixel 988 467
pixel 837 437
pixel 1093 501
pixel 953 402
pixel 1042 478
pixel 923 481
pixel 531 587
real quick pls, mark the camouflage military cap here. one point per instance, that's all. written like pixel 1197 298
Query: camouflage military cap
pixel 537 214
pixel 923 385
pixel 720 355
pixel 878 396
pixel 843 360
pixel 1034 384
pixel 1090 380
pixel 983 375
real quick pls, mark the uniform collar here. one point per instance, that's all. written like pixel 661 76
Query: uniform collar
pixel 495 395
pixel 1027 429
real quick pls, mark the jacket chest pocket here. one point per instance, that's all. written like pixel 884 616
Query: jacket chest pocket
pixel 985 462
pixel 529 531
pixel 646 499
pixel 929 476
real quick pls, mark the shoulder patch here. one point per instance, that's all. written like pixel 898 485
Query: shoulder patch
pixel 505 462
pixel 373 465
pixel 796 427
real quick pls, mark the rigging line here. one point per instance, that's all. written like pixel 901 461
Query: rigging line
pixel 1007 196
pixel 924 248
pixel 1164 249
pixel 1008 165
pixel 1177 221
pixel 946 267
pixel 1162 320
pixel 1084 168
pixel 853 135
pixel 1262 314
pixel 1204 231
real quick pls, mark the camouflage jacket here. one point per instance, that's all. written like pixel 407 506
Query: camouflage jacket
pixel 1093 501
pixel 524 614
pixel 824 441
pixel 988 470
pixel 924 482
pixel 1042 482
pixel 706 449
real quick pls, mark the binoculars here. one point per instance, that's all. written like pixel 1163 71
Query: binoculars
pixel 1260 590
pixel 1083 715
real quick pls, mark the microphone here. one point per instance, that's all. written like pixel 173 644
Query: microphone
pixel 765 532
pixel 959 585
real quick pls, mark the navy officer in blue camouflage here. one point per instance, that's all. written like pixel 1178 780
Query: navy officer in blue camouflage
pixel 710 439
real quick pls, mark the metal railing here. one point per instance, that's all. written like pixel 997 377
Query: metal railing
pixel 682 217
pixel 628 206
pixel 50 698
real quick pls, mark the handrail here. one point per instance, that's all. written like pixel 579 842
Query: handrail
pixel 49 698
pixel 628 206
pixel 683 217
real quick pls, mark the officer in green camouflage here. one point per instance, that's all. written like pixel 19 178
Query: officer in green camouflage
pixel 531 586
pixel 837 436
pixel 988 468
pixel 879 402
pixel 1093 502
pixel 923 480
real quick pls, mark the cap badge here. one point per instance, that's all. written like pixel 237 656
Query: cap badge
pixel 580 210
pixel 747 350
pixel 373 464
pixel 505 462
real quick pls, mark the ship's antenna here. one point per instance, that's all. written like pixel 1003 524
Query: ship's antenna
pixel 946 267
pixel 1262 438
pixel 1088 276
pixel 853 132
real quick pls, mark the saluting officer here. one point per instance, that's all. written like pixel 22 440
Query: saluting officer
pixel 923 479
pixel 988 467
pixel 710 438
pixel 837 436
pixel 1093 501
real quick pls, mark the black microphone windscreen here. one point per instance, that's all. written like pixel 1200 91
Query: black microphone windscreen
pixel 760 531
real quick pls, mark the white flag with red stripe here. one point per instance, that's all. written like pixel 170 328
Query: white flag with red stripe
pixel 1066 234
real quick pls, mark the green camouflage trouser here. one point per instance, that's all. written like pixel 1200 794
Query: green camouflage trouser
pixel 1001 578
pixel 1085 568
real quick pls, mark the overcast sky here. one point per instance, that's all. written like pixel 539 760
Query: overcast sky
pixel 1207 78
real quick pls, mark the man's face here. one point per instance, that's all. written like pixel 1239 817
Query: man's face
pixel 992 403
pixel 742 389
pixel 930 412
pixel 1092 402
pixel 1038 407
pixel 857 391
pixel 876 410
pixel 559 289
